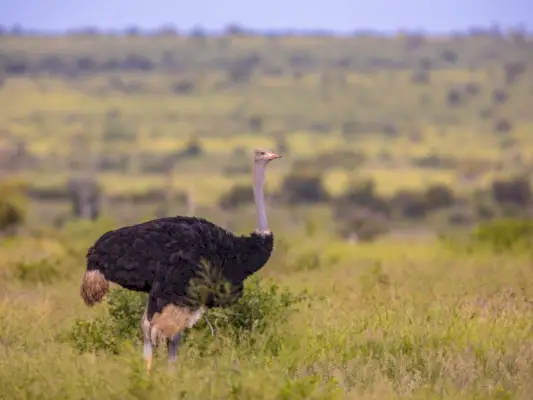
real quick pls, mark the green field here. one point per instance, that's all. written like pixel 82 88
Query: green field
pixel 432 122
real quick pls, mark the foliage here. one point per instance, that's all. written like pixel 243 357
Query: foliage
pixel 262 306
pixel 362 223
pixel 505 234
pixel 303 187
pixel 515 191
pixel 12 205
pixel 108 332
pixel 237 196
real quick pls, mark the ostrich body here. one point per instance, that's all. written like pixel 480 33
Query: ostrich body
pixel 163 257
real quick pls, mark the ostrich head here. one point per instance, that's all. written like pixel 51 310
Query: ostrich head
pixel 263 156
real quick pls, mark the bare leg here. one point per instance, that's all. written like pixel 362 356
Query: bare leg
pixel 146 339
pixel 172 347
pixel 210 326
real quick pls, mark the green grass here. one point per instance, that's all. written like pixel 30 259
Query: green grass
pixel 392 319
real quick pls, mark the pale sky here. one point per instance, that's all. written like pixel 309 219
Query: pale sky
pixel 338 15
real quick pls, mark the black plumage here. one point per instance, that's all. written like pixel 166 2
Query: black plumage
pixel 133 256
pixel 186 264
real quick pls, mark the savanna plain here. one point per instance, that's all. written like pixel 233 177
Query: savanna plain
pixel 401 210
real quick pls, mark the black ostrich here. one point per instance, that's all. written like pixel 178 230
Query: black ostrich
pixel 165 257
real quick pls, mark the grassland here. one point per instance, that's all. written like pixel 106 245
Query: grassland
pixel 392 319
pixel 405 316
pixel 313 94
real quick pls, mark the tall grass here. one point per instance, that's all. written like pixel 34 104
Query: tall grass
pixel 383 320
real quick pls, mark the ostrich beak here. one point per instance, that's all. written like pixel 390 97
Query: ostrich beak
pixel 271 156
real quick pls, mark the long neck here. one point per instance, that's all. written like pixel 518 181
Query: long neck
pixel 259 178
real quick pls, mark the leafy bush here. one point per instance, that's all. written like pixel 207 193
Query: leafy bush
pixel 505 234
pixel 365 224
pixel 362 194
pixel 410 204
pixel 304 187
pixel 109 332
pixel 263 306
pixel 439 196
pixel 236 197
pixel 512 191
pixel 12 205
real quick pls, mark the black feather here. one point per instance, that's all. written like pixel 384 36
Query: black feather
pixel 169 256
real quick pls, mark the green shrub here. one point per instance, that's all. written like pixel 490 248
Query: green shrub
pixel 362 224
pixel 263 306
pixel 237 196
pixel 12 205
pixel 301 187
pixel 109 332
pixel 505 234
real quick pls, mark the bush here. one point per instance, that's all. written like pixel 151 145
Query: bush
pixel 263 306
pixel 364 224
pixel 515 191
pixel 12 205
pixel 361 194
pixel 410 204
pixel 304 187
pixel 193 148
pixel 238 196
pixel 109 332
pixel 505 234
pixel 439 196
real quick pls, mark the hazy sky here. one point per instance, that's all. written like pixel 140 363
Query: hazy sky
pixel 339 15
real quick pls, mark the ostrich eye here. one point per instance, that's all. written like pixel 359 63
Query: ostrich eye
pixel 262 153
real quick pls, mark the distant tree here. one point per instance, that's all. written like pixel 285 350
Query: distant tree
pixel 420 77
pixel 132 31
pixel 183 87
pixel 235 29
pixel 439 196
pixel 515 191
pixel 454 97
pixel 513 71
pixel 238 196
pixel 193 148
pixel 472 88
pixel 499 96
pixel 304 187
pixel 503 126
pixel 241 69
pixel 449 56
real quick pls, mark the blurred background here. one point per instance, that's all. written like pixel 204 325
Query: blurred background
pixel 393 118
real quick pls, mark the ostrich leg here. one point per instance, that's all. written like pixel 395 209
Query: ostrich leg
pixel 172 347
pixel 146 339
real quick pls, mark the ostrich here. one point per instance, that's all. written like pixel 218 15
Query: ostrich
pixel 163 257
